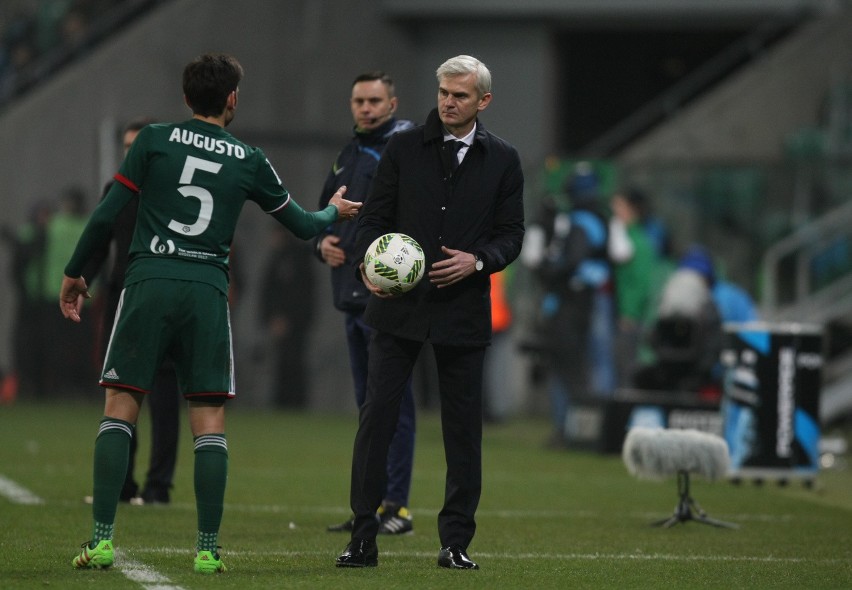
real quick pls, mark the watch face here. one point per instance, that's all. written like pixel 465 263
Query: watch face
pixel 479 265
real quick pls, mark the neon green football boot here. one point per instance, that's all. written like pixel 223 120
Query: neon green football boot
pixel 97 557
pixel 207 562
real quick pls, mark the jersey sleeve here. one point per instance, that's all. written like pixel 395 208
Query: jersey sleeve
pixel 304 224
pixel 98 229
pixel 273 198
pixel 269 192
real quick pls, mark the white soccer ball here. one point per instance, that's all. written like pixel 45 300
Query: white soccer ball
pixel 395 263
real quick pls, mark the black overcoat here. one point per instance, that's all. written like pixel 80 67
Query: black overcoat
pixel 477 209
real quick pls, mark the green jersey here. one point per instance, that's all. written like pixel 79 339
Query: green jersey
pixel 193 179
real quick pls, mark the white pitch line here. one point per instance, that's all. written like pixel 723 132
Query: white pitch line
pixel 526 556
pixel 145 576
pixel 425 511
pixel 16 493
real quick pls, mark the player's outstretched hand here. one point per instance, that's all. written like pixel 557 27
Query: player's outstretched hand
pixel 71 297
pixel 345 209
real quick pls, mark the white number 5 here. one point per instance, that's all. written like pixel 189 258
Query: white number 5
pixel 203 195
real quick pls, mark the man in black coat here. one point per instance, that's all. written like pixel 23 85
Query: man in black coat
pixel 458 190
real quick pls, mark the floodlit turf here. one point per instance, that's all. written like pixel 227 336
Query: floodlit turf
pixel 548 519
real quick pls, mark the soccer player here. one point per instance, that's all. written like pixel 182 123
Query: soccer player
pixel 192 179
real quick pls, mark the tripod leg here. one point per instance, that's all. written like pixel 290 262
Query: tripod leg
pixel 683 510
pixel 704 519
pixel 688 509
pixel 701 516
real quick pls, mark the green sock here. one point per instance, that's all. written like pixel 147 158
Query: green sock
pixel 112 452
pixel 103 531
pixel 211 474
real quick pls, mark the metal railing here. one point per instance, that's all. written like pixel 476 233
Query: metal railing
pixel 794 286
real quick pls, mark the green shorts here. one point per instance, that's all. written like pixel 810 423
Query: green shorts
pixel 188 322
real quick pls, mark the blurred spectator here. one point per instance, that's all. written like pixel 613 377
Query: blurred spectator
pixel 73 30
pixel 584 190
pixel 18 50
pixel 8 387
pixel 286 311
pixel 44 347
pixel 687 335
pixel 634 262
pixel 654 227
pixel 49 17
pixel 566 247
pixel 164 398
pixel 27 249
pixel 69 354
pixel 734 302
pixel 47 31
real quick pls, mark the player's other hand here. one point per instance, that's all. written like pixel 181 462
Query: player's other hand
pixel 373 288
pixel 346 210
pixel 71 296
pixel 331 253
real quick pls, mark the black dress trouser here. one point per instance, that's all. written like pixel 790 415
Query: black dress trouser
pixel 460 384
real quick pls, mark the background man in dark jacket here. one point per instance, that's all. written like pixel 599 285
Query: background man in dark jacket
pixel 373 104
pixel 164 399
pixel 458 190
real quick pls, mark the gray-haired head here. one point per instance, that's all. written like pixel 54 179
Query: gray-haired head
pixel 465 64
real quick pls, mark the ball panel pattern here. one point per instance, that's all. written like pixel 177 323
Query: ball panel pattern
pixel 395 262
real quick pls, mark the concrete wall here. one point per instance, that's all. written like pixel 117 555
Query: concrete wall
pixel 749 116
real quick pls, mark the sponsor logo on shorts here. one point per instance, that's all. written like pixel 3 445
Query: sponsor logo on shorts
pixel 111 374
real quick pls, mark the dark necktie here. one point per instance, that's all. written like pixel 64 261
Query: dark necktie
pixel 454 146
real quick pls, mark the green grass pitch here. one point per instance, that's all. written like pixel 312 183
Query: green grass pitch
pixel 547 519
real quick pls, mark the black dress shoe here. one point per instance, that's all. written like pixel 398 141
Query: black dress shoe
pixel 455 557
pixel 359 553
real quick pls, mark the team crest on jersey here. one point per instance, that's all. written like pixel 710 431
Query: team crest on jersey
pixel 158 247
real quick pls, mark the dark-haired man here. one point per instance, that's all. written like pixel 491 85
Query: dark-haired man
pixel 163 399
pixel 193 179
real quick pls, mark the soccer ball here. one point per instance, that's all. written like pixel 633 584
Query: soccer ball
pixel 395 263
